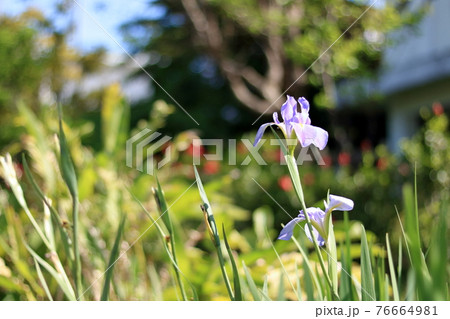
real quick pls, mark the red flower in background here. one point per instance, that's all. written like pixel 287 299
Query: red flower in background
pixel 197 150
pixel 382 163
pixel 285 183
pixel 437 108
pixel 365 145
pixel 211 167
pixel 327 160
pixel 344 159
pixel 241 148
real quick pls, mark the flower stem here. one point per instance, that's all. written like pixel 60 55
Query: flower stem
pixel 293 171
pixel 220 256
pixel 214 234
pixel 224 273
pixel 76 249
pixel 177 273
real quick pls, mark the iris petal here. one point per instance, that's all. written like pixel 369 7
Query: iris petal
pixel 305 104
pixel 275 118
pixel 260 132
pixel 286 232
pixel 308 134
pixel 289 109
pixel 339 203
pixel 319 238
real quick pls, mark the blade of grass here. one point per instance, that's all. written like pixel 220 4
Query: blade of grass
pixel 438 256
pixel 42 280
pixel 332 260
pixel 165 216
pixel 265 289
pixel 112 260
pixel 57 219
pixel 166 247
pixel 395 292
pixel 386 287
pixel 70 178
pixel 423 278
pixel 307 267
pixel 367 285
pixel 345 288
pixel 236 279
pixel 9 174
pixel 410 286
pixel 297 279
pixel 251 284
pixel 348 245
pixel 155 283
pixel 61 278
pixel 282 265
pixel 400 264
pixel 281 289
pixel 213 231
pixel 295 177
pixel 379 279
pixel 48 227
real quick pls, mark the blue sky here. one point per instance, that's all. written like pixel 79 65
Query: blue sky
pixel 88 35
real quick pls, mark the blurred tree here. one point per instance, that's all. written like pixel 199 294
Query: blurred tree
pixel 20 62
pixel 22 65
pixel 36 64
pixel 265 47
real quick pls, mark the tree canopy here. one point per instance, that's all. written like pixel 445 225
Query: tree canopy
pixel 264 48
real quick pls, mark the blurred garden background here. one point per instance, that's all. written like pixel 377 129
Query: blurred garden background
pixel 377 75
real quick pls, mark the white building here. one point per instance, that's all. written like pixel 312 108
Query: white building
pixel 414 73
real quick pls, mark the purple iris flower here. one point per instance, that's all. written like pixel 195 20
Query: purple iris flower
pixel 318 218
pixel 298 122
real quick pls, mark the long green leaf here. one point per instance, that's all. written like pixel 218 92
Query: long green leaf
pixel 164 241
pixel 265 289
pixel 298 283
pixel 367 285
pixel 423 279
pixel 42 280
pixel 251 284
pixel 438 256
pixel 345 287
pixel 55 215
pixel 399 263
pixel 112 260
pixel 281 289
pixel 60 278
pixel 162 205
pixel 165 216
pixel 70 178
pixel 295 177
pixel 309 274
pixel 236 279
pixel 380 280
pixel 283 268
pixel 332 259
pixel 212 228
pixel 66 163
pixel 395 291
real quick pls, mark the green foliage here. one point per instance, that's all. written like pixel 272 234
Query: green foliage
pixel 367 284
pixel 167 240
pixel 112 260
pixel 22 70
